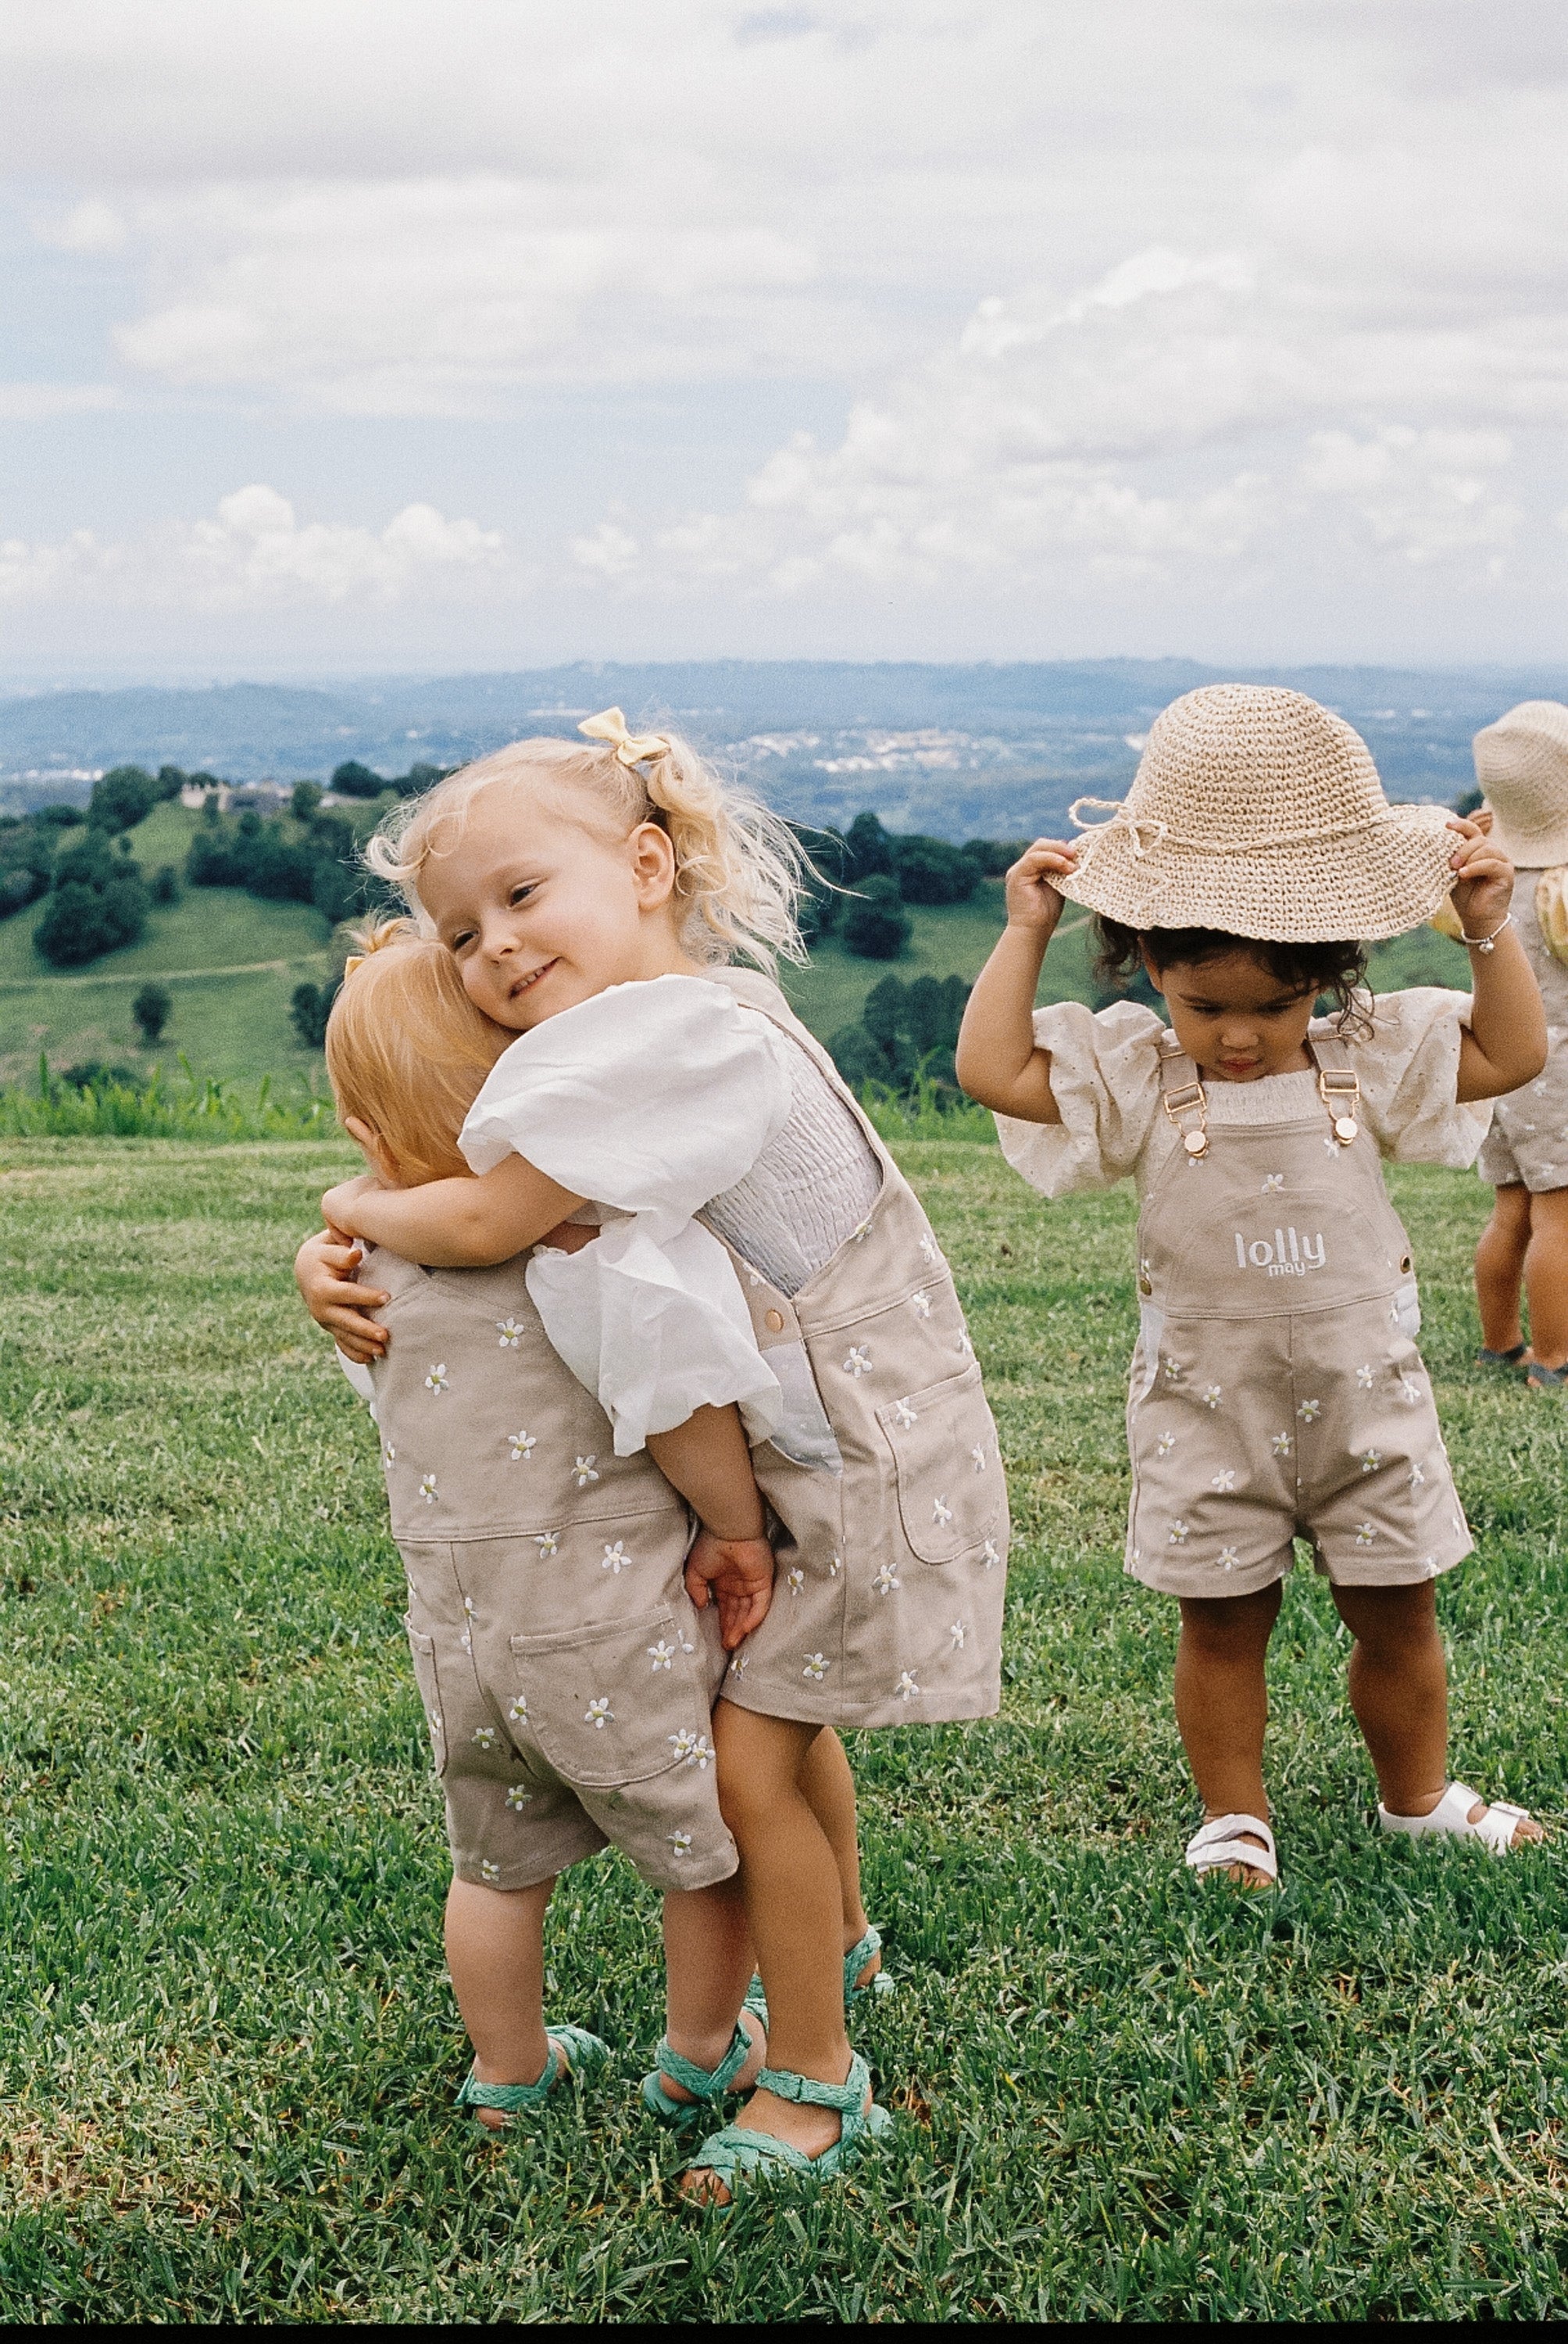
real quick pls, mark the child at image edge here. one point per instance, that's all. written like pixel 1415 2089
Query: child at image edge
pixel 593 899
pixel 1522 763
pixel 1277 1392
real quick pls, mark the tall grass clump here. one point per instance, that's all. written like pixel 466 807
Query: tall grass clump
pixel 110 1103
pixel 926 1109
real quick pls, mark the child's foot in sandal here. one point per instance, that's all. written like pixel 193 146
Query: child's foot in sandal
pixel 1510 1359
pixel 679 2090
pixel 1240 1847
pixel 1464 1814
pixel 1543 1378
pixel 791 2125
pixel 571 2053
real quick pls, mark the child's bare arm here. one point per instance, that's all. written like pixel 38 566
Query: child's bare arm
pixel 999 1062
pixel 461 1224
pixel 732 1563
pixel 1505 1043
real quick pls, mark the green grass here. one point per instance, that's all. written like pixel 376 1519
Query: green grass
pixel 226 2052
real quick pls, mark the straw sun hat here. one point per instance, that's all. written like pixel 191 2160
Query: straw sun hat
pixel 1522 764
pixel 1258 812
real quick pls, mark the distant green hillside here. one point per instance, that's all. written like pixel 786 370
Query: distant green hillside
pixel 232 962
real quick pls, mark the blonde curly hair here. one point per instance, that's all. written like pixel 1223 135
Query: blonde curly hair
pixel 407 1050
pixel 739 869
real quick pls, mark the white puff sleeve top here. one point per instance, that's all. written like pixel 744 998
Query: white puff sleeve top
pixel 650 1099
pixel 1105 1078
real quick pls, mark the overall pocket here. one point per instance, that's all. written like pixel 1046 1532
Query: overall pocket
pixel 615 1704
pixel 423 1651
pixel 946 1466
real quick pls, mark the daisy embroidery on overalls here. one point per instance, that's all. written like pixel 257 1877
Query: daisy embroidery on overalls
pixel 956 1631
pixel 1311 1410
pixel 523 1445
pixel 858 1362
pixel 1364 1376
pixel 518 1797
pixel 906 1689
pixel 1165 1444
pixel 511 1334
pixel 599 1712
pixel 795 1579
pixel 428 1487
pixel 941 1513
pixel 437 1380
pixel 815 1668
pixel 661 1654
pixel 1224 1482
pixel 887 1579
pixel 583 1471
pixel 680 1843
pixel 616 1558
pixel 920 1303
pixel 904 1415
pixel 484 1735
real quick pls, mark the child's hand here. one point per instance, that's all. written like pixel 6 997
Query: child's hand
pixel 1032 901
pixel 338 1204
pixel 1485 886
pixel 738 1575
pixel 324 1268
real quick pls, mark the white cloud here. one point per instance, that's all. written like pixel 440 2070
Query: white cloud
pixel 1234 299
pixel 1100 436
pixel 253 552
pixel 36 402
pixel 90 227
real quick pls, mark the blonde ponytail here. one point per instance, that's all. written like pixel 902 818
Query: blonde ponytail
pixel 740 870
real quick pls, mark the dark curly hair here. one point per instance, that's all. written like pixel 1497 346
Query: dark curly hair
pixel 1337 970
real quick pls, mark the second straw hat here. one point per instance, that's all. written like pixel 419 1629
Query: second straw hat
pixel 1522 764
pixel 1259 813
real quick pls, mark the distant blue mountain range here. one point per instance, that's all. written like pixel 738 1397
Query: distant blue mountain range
pixel 959 750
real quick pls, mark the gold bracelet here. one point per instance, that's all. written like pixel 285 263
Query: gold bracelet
pixel 1485 943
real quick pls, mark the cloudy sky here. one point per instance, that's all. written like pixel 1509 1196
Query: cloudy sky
pixel 347 334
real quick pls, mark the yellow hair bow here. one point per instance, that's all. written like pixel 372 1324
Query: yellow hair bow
pixel 630 748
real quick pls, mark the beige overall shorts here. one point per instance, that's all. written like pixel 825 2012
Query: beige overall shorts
pixel 1277 1390
pixel 886 1476
pixel 567 1679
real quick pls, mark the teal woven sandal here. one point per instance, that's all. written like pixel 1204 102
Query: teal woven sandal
pixel 854 1961
pixel 580 2055
pixel 706 2085
pixel 739 2154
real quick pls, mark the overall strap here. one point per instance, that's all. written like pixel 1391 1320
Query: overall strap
pixel 1182 1095
pixel 1339 1085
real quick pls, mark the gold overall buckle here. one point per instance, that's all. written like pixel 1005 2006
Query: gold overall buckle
pixel 1182 1102
pixel 1340 1093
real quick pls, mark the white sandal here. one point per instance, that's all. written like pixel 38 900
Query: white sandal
pixel 1216 1845
pixel 1449 1819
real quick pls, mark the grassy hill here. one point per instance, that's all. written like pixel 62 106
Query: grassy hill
pixel 232 962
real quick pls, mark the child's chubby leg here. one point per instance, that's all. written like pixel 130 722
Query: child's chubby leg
pixel 1546 1279
pixel 1399 1690
pixel 790 1874
pixel 1222 1704
pixel 708 1964
pixel 495 1952
pixel 827 1787
pixel 1500 1256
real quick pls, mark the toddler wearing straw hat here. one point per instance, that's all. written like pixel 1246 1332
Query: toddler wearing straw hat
pixel 1277 1392
pixel 1522 764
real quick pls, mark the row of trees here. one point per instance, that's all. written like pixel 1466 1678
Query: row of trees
pixel 867 876
pixel 905 1032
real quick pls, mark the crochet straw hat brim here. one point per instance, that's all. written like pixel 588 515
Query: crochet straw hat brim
pixel 1259 813
pixel 1522 764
